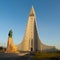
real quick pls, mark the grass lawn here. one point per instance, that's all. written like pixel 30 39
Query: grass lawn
pixel 46 55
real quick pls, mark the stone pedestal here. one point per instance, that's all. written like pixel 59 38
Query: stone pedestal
pixel 11 48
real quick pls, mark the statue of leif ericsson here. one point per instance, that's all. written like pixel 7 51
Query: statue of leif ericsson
pixel 11 48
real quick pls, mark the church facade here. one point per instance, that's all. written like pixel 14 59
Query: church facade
pixel 31 40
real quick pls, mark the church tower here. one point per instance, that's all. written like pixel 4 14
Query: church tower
pixel 31 40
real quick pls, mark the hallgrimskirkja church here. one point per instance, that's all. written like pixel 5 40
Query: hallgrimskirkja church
pixel 31 40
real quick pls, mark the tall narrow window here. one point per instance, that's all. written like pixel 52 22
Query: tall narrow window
pixel 32 45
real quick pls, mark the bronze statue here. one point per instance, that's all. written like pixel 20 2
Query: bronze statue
pixel 10 33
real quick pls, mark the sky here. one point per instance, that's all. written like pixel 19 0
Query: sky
pixel 14 15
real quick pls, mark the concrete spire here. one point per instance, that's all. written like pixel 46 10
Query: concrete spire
pixel 32 12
